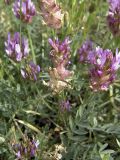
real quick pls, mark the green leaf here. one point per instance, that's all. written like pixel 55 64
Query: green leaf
pixel 29 125
pixel 2 140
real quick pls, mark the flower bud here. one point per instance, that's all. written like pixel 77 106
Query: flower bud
pixel 24 10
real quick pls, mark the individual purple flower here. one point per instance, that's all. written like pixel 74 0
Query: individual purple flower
pixel 32 153
pixel 30 71
pixel 16 47
pixel 116 61
pixel 101 56
pixel 86 52
pixel 24 10
pixel 103 71
pixel 65 105
pixel 51 13
pixel 113 17
pixel 18 155
pixel 36 143
pixel 33 147
pixel 113 4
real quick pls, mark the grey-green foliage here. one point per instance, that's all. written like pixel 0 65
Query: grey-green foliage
pixel 91 130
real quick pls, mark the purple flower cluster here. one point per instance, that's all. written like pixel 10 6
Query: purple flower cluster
pixel 65 105
pixel 24 10
pixel 86 52
pixel 61 51
pixel 31 71
pixel 27 149
pixel 59 74
pixel 60 55
pixel 16 47
pixel 51 13
pixel 104 69
pixel 113 18
pixel 103 66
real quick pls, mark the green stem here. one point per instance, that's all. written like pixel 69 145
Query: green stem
pixel 31 46
pixel 112 98
pixel 20 22
pixel 19 129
